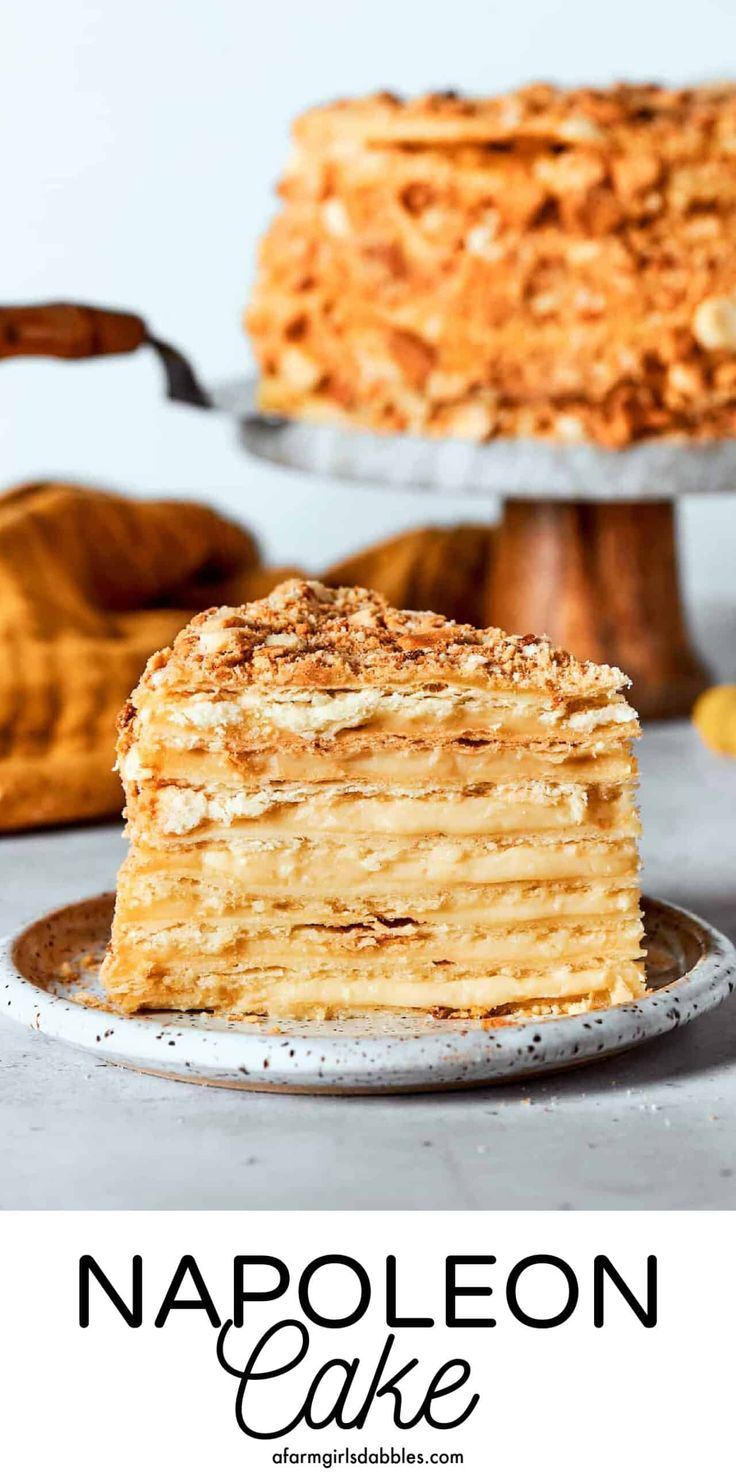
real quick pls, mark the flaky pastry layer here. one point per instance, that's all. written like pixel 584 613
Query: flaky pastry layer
pixel 328 991
pixel 394 760
pixel 163 897
pixel 342 865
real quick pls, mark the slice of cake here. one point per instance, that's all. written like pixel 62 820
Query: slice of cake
pixel 334 805
pixel 549 263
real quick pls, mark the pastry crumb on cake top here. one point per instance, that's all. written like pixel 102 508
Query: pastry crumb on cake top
pixel 307 635
pixel 587 116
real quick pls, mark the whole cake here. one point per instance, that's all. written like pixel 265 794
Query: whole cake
pixel 556 264
pixel 334 806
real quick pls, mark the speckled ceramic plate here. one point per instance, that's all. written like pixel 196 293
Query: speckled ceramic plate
pixel 49 980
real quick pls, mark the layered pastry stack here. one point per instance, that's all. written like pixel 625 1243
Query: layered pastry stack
pixel 333 806
pixel 550 263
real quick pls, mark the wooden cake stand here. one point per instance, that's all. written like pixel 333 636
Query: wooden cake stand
pixel 586 548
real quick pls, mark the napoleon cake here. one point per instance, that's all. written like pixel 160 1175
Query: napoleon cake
pixel 336 806
pixel 551 263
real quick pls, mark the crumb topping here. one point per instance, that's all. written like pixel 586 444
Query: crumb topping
pixel 551 264
pixel 592 117
pixel 310 636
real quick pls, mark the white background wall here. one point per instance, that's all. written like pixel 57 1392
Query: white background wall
pixel 139 145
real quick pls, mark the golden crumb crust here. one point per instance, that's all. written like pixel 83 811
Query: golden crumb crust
pixel 613 118
pixel 309 636
pixel 552 263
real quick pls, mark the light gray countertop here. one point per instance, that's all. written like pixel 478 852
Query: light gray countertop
pixel 653 1128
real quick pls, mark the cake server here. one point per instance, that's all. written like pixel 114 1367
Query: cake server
pixel 72 330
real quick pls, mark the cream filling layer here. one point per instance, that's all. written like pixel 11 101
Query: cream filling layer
pixel 160 900
pixel 525 945
pixel 429 766
pixel 325 990
pixel 336 866
pixel 503 808
pixel 324 713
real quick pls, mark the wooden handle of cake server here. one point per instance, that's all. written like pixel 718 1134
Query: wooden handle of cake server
pixel 68 330
pixel 72 330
